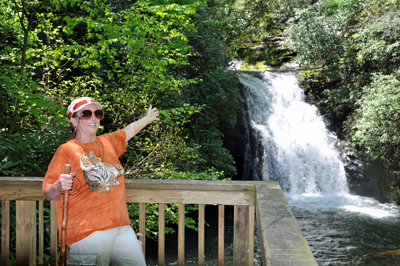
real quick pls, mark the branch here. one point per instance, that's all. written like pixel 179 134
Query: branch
pixel 151 153
pixel 21 19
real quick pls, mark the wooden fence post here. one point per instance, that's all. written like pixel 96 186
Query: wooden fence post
pixel 25 233
pixel 241 236
pixel 53 233
pixel 5 232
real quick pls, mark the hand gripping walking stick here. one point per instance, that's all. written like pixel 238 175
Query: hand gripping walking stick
pixel 64 220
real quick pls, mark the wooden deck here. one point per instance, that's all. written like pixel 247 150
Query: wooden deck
pixel 281 242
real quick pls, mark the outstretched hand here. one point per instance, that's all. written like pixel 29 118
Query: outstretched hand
pixel 133 128
pixel 152 114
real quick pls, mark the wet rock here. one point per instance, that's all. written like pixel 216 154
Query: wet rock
pixel 366 176
pixel 242 142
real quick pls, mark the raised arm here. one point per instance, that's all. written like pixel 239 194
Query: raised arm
pixel 133 128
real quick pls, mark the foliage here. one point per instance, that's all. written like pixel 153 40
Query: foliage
pixel 258 32
pixel 314 33
pixel 149 159
pixel 126 55
pixel 346 41
pixel 216 89
pixel 214 94
pixel 354 46
pixel 171 210
pixel 171 218
pixel 376 128
pixel 73 50
pixel 28 123
pixel 268 18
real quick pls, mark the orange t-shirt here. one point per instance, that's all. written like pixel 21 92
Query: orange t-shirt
pixel 90 211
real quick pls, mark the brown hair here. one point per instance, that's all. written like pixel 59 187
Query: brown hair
pixel 71 125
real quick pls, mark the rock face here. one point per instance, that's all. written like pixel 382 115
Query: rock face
pixel 235 139
pixel 366 176
pixel 242 143
pixel 268 50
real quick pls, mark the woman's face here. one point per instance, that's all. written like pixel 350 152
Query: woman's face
pixel 87 128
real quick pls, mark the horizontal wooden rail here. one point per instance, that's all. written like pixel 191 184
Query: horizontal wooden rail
pixel 281 241
pixel 190 192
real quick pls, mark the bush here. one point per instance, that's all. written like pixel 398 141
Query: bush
pixel 376 127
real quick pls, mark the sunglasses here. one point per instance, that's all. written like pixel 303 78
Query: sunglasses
pixel 87 114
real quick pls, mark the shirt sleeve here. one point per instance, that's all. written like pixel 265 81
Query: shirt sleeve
pixel 118 141
pixel 53 171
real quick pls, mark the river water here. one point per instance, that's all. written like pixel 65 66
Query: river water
pixel 299 152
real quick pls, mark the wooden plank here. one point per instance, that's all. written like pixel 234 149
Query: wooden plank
pixel 181 235
pixel 41 232
pixel 19 179
pixel 161 234
pixel 251 235
pixel 17 188
pixel 5 232
pixel 221 235
pixel 32 233
pixel 213 197
pixel 14 183
pixel 24 226
pixel 195 185
pixel 142 226
pixel 53 234
pixel 263 258
pixel 281 239
pixel 240 236
pixel 30 188
pixel 201 235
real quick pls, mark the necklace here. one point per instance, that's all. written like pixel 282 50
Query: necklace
pixel 77 140
pixel 97 144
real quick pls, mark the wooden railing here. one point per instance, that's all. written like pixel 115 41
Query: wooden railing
pixel 281 242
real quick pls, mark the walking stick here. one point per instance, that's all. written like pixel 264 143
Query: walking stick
pixel 64 220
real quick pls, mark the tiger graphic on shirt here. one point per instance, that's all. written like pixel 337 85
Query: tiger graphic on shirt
pixel 99 175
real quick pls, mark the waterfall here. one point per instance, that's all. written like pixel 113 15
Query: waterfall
pixel 298 151
pixel 287 141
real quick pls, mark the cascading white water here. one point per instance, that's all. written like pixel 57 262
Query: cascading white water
pixel 293 147
pixel 299 151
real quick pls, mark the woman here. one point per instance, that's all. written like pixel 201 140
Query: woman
pixel 98 222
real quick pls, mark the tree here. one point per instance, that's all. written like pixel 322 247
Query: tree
pixel 345 41
pixel 376 127
pixel 73 50
pixel 353 46
pixel 126 55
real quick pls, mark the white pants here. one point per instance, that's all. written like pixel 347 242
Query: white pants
pixel 116 247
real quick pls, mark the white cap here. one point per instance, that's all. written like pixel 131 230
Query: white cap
pixel 79 104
